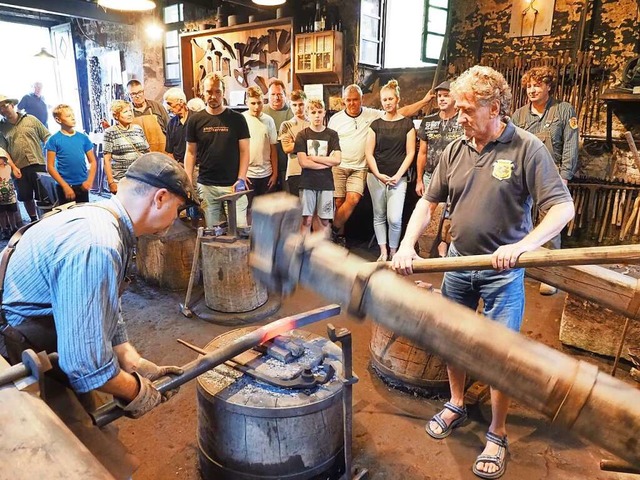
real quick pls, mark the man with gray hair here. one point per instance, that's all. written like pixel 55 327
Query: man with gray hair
pixel 492 175
pixel 176 101
pixel 349 178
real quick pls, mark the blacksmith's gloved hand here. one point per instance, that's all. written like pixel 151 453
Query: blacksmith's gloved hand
pixel 147 399
pixel 152 371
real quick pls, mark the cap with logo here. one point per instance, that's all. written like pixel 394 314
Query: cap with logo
pixel 159 170
pixel 446 85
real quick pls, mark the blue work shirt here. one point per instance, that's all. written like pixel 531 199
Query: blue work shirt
pixel 71 265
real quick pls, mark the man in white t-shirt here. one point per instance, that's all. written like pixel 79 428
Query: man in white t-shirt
pixel 350 176
pixel 263 157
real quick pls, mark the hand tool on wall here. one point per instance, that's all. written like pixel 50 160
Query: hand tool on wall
pixel 226 67
pixel 632 217
pixel 621 207
pixel 195 273
pixel 239 46
pixel 348 379
pixel 633 148
pixel 628 211
pixel 273 40
pixel 252 42
pixel 240 77
pixel 218 55
pixel 614 210
pixel 197 51
pixel 263 56
pixel 110 411
pixel 210 47
pixel 263 42
pixel 284 41
pixel 272 69
pixel 605 218
pixel 209 64
pixel 262 84
pixel 226 46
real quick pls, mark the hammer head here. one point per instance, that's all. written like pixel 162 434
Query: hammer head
pixel 274 218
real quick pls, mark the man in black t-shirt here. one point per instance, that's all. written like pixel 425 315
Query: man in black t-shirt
pixel 318 149
pixel 219 139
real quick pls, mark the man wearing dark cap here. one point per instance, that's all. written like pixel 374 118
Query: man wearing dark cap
pixel 436 132
pixel 64 280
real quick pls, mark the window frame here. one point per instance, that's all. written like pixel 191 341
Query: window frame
pixel 381 17
pixel 169 28
pixel 426 32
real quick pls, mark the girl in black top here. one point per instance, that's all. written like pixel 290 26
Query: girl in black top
pixel 390 149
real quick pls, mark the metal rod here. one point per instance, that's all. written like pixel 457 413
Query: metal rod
pixel 110 412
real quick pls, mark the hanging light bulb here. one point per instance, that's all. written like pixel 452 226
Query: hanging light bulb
pixel 269 3
pixel 128 5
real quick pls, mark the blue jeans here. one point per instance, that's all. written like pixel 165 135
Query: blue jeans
pixel 502 292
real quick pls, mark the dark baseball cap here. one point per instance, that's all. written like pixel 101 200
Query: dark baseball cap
pixel 162 171
pixel 446 85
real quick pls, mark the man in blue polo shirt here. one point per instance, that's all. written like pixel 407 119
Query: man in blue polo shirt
pixel 492 175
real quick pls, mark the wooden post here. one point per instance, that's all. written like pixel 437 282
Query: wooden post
pixel 165 260
pixel 572 393
pixel 229 285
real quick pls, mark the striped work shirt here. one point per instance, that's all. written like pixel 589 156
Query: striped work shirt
pixel 70 265
pixel 560 122
pixel 125 146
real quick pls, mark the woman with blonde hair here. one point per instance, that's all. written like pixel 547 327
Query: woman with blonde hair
pixel 390 149
pixel 124 142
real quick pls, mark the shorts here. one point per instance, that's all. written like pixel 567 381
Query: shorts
pixel 501 292
pixel 82 195
pixel 317 201
pixel 27 185
pixel 9 207
pixel 348 180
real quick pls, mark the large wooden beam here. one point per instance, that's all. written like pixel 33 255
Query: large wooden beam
pixel 572 393
pixel 74 9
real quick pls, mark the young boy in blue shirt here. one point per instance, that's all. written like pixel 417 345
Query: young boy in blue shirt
pixel 67 154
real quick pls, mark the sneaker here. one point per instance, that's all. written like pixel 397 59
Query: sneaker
pixel 547 289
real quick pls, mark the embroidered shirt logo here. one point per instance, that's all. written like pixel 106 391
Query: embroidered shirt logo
pixel 502 169
pixel 573 123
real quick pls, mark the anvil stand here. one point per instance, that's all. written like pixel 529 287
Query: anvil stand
pixel 230 234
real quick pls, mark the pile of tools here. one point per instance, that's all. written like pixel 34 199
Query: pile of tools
pixel 581 79
pixel 605 212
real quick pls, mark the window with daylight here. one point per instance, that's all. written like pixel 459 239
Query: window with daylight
pixel 436 13
pixel 174 19
pixel 371 32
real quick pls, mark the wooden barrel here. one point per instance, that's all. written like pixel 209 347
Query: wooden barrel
pixel 403 364
pixel 248 430
pixel 228 281
pixel 165 260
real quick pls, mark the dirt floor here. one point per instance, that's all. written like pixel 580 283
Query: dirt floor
pixel 389 437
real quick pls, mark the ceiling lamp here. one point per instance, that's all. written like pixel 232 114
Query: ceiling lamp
pixel 44 54
pixel 269 3
pixel 128 5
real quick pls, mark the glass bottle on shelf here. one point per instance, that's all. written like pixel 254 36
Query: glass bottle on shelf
pixel 317 20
